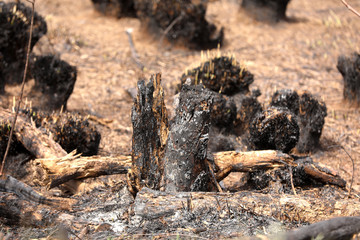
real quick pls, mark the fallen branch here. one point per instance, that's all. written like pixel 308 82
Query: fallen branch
pixel 35 141
pixel 74 167
pixel 134 54
pixel 336 228
pixel 23 191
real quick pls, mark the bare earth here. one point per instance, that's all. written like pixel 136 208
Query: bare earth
pixel 300 55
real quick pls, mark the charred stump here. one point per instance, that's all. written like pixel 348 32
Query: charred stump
pixel 234 106
pixel 115 8
pixel 14 36
pixel 266 10
pixel 274 128
pixel 349 67
pixel 310 116
pixel 54 82
pixel 185 160
pixel 150 133
pixel 181 21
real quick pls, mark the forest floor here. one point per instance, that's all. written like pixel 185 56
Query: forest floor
pixel 300 54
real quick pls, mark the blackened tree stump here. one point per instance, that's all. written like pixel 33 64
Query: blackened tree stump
pixel 14 36
pixel 234 106
pixel 266 10
pixel 349 67
pixel 150 133
pixel 185 167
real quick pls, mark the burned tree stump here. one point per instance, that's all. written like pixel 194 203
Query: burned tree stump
pixel 234 106
pixel 274 128
pixel 54 82
pixel 266 10
pixel 349 67
pixel 310 116
pixel 115 8
pixel 181 21
pixel 185 160
pixel 150 133
pixel 14 36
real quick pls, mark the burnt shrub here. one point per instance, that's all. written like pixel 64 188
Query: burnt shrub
pixel 189 26
pixel 54 82
pixel 14 36
pixel 349 67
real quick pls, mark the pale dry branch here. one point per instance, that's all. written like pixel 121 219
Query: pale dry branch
pixel 350 8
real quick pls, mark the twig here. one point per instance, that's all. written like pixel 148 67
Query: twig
pixel 171 25
pixel 353 168
pixel 22 88
pixel 350 8
pixel 134 54
pixel 291 180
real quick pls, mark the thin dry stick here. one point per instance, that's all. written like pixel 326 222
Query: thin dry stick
pixel 350 8
pixel 171 25
pixel 22 88
pixel 134 54
pixel 353 168
pixel 291 180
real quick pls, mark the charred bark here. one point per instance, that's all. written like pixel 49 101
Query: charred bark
pixel 266 10
pixel 150 124
pixel 186 149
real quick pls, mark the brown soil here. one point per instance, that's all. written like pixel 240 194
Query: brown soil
pixel 300 54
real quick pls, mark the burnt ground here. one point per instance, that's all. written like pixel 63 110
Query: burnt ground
pixel 300 54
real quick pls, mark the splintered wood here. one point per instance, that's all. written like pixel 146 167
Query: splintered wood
pixel 36 142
